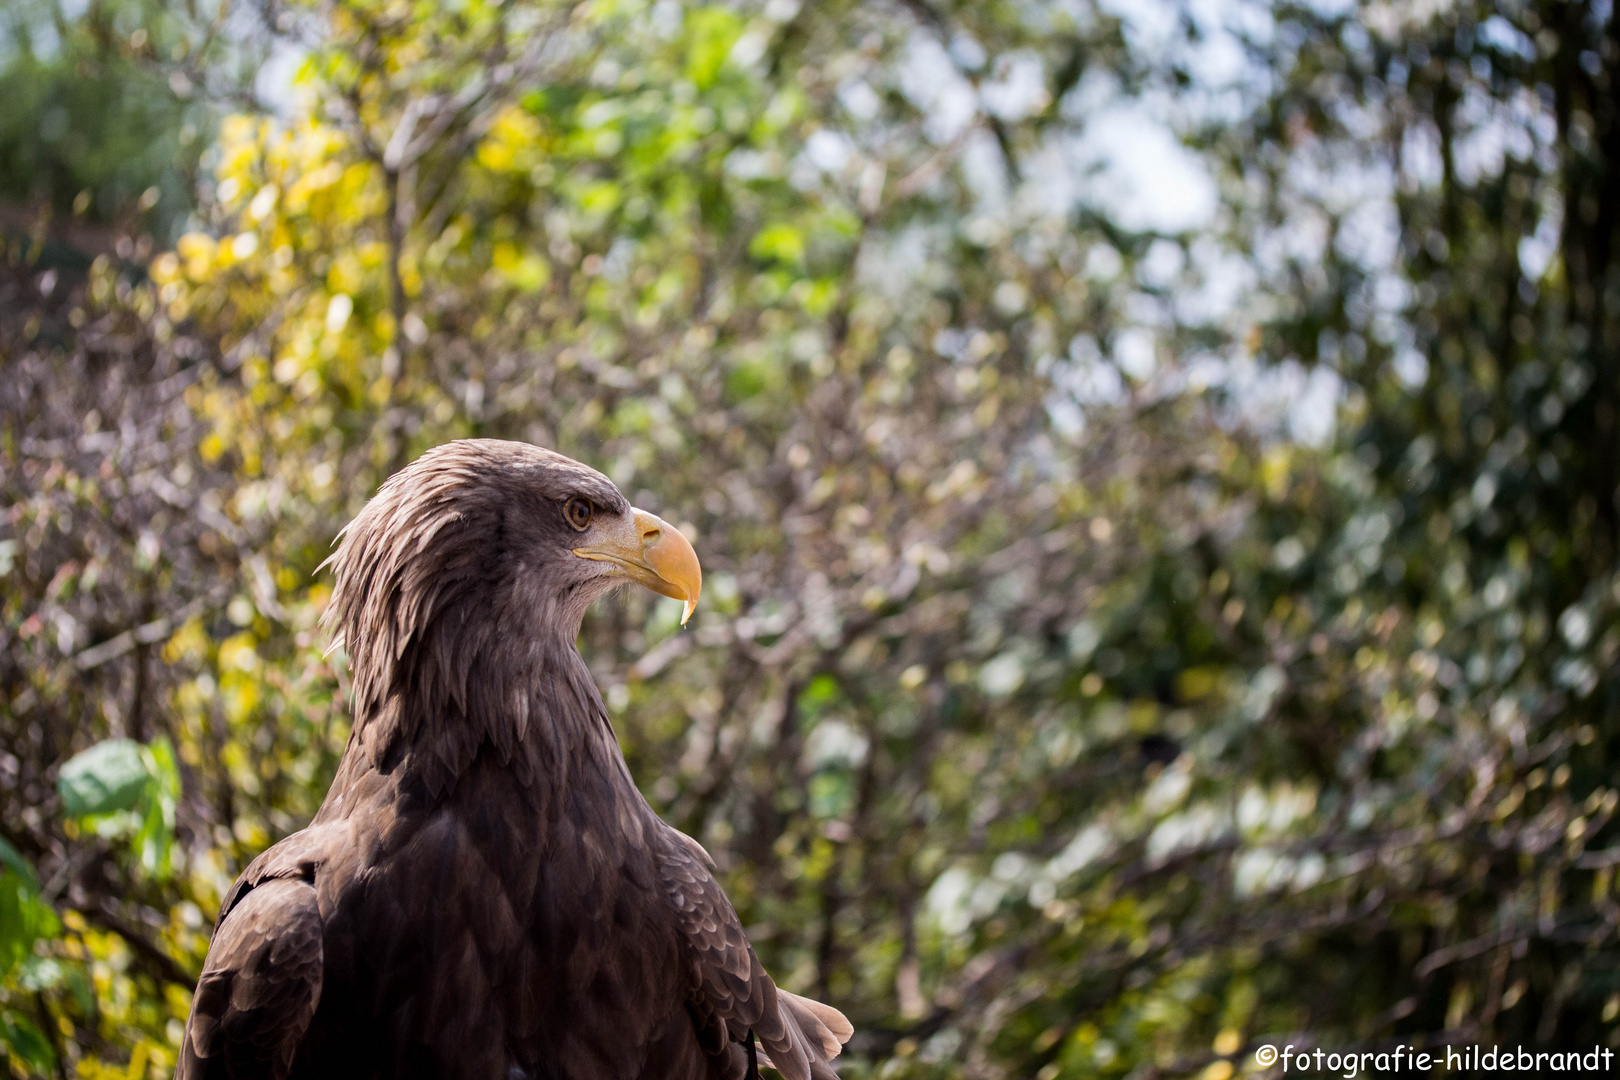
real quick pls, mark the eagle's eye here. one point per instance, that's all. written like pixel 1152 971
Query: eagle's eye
pixel 579 512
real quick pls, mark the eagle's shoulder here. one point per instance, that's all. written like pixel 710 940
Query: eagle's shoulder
pixel 261 983
pixel 296 857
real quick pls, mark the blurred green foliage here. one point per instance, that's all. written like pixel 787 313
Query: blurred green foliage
pixel 87 129
pixel 119 787
pixel 1132 635
pixel 110 105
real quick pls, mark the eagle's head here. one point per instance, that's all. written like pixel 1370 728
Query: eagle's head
pixel 469 573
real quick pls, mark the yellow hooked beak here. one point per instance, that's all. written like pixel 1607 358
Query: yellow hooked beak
pixel 652 552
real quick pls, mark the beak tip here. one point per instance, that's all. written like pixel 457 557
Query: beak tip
pixel 691 606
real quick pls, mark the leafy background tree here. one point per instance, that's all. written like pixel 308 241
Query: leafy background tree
pixel 108 110
pixel 1153 466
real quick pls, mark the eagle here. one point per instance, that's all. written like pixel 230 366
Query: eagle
pixel 484 893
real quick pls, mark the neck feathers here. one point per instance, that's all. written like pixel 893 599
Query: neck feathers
pixel 444 706
pixel 453 645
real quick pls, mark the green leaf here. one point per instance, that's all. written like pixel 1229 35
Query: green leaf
pixel 747 380
pixel 711 34
pixel 821 692
pixel 832 793
pixel 26 1043
pixel 782 242
pixel 109 776
pixel 599 197
pixel 155 838
pixel 818 299
pixel 11 857
pixel 24 917
pixel 165 773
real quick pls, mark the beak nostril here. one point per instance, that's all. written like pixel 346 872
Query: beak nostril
pixel 665 563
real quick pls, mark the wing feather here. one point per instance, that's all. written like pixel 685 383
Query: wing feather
pixel 731 989
pixel 259 987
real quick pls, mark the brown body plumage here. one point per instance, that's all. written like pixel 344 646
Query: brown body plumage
pixel 484 892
